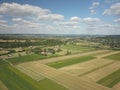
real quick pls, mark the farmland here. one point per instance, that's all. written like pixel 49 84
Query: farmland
pixel 111 79
pixel 71 61
pixel 22 81
pixel 114 57
pixel 58 64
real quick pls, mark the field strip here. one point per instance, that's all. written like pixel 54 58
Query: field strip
pixel 2 86
pixel 103 72
pixel 69 56
pixel 30 73
pixel 96 69
pixel 107 54
pixel 64 79
pixel 116 87
pixel 85 67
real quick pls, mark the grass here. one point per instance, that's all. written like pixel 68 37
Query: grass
pixel 113 57
pixel 16 80
pixel 111 79
pixel 26 58
pixel 62 63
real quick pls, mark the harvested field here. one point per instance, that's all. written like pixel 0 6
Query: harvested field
pixel 31 73
pixel 114 57
pixel 2 86
pixel 103 72
pixel 107 54
pixel 86 67
pixel 64 79
pixel 111 79
pixel 70 56
pixel 116 87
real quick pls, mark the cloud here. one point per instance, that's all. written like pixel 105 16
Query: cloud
pixel 1 16
pixel 113 10
pixel 3 21
pixel 110 1
pixel 117 20
pixel 16 9
pixel 25 10
pixel 93 8
pixel 51 17
pixel 17 19
pixel 91 20
pixel 75 19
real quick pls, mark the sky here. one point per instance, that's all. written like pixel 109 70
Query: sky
pixel 93 17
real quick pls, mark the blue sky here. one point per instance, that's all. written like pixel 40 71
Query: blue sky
pixel 60 16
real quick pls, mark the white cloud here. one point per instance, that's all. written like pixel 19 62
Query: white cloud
pixel 3 21
pixel 75 19
pixel 17 19
pixel 91 20
pixel 117 20
pixel 51 17
pixel 15 9
pixel 93 8
pixel 113 10
pixel 25 10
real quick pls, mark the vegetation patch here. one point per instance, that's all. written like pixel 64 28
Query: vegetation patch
pixel 77 48
pixel 113 57
pixel 111 79
pixel 31 57
pixel 62 63
pixel 16 80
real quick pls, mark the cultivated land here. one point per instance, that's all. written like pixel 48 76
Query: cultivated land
pixel 113 57
pixel 79 71
pixel 111 79
pixel 116 87
pixel 70 56
pixel 64 79
pixel 84 68
pixel 2 86
pixel 16 80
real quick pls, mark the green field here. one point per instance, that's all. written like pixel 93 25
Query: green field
pixel 15 80
pixel 114 56
pixel 31 57
pixel 76 48
pixel 62 63
pixel 111 79
pixel 26 58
